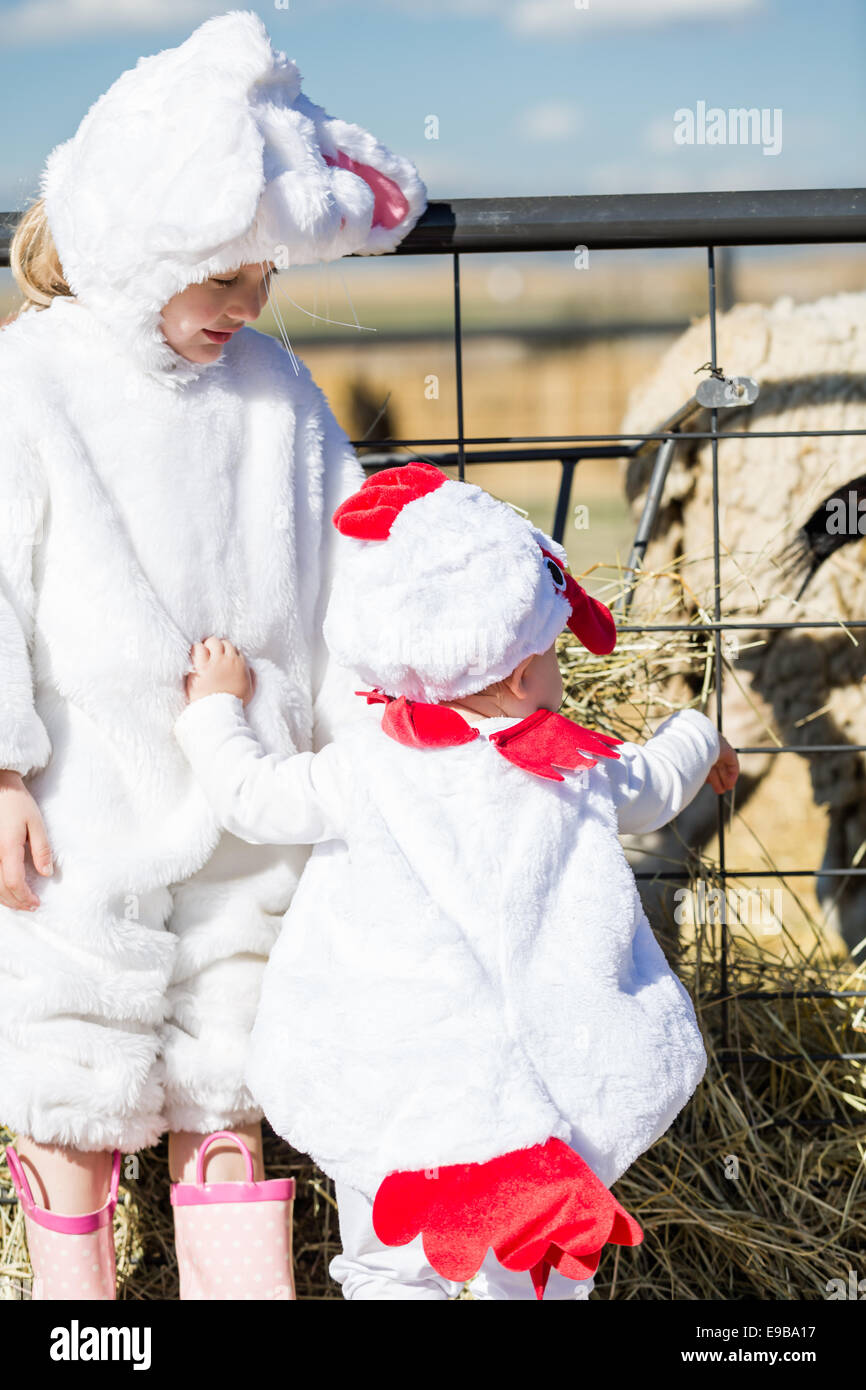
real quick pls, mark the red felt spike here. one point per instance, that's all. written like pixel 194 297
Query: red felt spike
pixel 540 1274
pixel 546 740
pixel 375 696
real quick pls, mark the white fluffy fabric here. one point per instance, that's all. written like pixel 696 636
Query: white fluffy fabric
pixel 456 596
pixel 198 160
pixel 126 1000
pixel 171 500
pixel 466 967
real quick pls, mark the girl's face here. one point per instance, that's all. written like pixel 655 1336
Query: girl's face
pixel 199 321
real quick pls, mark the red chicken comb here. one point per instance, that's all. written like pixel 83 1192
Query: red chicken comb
pixel 370 512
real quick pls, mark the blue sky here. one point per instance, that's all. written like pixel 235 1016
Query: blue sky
pixel 531 96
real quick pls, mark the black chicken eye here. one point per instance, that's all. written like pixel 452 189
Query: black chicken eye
pixel 558 576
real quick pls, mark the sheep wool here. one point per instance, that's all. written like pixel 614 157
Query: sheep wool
pixel 806 687
pixel 148 502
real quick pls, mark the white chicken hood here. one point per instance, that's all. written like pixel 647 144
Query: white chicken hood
pixel 206 157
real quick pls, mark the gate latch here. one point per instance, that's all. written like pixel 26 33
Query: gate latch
pixel 720 392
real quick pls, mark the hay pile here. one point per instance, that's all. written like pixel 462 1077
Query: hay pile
pixel 758 1190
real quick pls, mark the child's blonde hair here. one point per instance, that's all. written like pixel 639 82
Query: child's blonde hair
pixel 34 260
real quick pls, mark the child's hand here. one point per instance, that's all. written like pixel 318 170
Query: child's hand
pixel 20 822
pixel 724 772
pixel 219 668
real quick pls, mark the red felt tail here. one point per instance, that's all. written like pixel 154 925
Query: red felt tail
pixel 535 1208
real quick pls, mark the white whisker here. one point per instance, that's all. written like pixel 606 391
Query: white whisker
pixel 278 320
pixel 349 297
pixel 323 318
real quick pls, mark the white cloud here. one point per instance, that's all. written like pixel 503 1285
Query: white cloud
pixel 659 135
pixel 573 16
pixel 803 134
pixel 550 120
pixel 42 21
pixel 567 17
pixel 680 176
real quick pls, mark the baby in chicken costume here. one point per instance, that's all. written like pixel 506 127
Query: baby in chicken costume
pixel 466 1021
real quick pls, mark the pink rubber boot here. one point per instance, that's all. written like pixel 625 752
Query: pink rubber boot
pixel 72 1257
pixel 234 1239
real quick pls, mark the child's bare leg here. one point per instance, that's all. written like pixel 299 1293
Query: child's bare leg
pixel 224 1161
pixel 64 1180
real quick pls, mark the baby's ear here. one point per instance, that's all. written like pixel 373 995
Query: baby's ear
pixel 515 680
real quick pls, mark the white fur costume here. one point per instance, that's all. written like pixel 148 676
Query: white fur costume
pixel 466 968
pixel 466 977
pixel 170 501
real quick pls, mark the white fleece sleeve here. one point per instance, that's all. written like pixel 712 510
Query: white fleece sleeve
pixel 24 743
pixel 653 782
pixel 263 798
pixel 334 700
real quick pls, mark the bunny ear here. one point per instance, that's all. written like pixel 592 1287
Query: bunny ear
pixel 370 512
pixel 390 207
pixel 398 192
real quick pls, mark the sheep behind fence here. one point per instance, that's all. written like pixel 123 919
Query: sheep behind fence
pixel 805 687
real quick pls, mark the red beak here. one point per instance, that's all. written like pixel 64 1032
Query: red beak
pixel 591 620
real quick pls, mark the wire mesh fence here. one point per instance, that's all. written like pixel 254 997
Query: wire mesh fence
pixel 710 221
pixel 790 1222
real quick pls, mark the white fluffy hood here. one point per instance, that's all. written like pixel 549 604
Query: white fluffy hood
pixel 441 589
pixel 206 157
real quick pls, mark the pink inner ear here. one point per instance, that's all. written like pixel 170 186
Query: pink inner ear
pixel 390 206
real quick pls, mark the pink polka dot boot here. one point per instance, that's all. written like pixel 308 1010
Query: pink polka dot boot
pixel 234 1239
pixel 72 1257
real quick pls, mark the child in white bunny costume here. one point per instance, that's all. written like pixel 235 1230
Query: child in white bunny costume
pixel 466 1020
pixel 166 472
